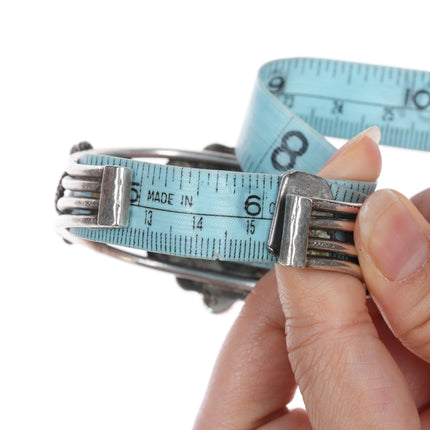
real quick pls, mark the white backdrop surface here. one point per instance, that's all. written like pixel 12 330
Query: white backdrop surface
pixel 89 342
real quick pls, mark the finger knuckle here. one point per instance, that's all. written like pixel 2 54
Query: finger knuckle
pixel 305 333
pixel 316 346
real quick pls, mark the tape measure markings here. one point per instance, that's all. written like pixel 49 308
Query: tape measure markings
pixel 238 225
pixel 227 215
pixel 207 214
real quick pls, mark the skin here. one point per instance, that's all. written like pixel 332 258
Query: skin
pixel 359 363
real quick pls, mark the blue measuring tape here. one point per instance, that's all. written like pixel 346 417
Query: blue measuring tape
pixel 213 214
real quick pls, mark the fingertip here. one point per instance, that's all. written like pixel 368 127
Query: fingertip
pixel 359 159
pixel 391 236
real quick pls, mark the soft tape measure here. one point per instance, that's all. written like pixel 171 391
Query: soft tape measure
pixel 227 215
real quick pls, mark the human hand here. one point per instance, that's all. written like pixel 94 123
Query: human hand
pixel 354 371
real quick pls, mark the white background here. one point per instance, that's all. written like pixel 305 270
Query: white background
pixel 88 342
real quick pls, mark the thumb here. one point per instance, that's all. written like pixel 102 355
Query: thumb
pixel 392 239
pixel 346 376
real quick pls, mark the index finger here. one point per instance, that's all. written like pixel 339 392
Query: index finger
pixel 347 377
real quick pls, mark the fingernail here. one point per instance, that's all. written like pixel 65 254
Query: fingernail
pixel 390 235
pixel 372 133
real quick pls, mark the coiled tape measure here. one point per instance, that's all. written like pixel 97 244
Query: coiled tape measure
pixel 220 218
